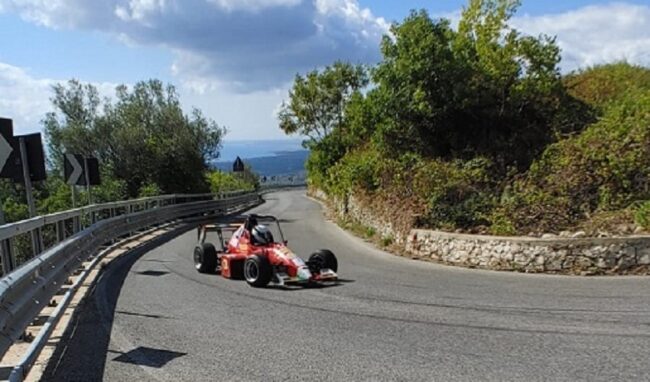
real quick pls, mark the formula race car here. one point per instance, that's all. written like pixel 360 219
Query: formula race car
pixel 251 253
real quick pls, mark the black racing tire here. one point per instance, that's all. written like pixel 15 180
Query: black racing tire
pixel 258 271
pixel 324 259
pixel 205 258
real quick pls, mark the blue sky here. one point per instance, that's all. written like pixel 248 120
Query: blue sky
pixel 235 59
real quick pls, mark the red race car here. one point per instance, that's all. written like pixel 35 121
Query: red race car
pixel 251 253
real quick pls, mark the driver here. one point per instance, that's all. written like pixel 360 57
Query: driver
pixel 261 235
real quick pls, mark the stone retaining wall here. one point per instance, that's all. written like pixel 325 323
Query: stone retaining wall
pixel 557 255
pixel 353 210
pixel 610 255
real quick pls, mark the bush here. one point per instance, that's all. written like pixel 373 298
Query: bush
pixel 642 214
pixel 459 193
pixel 605 168
pixel 149 189
pixel 601 85
pixel 226 181
pixel 386 241
pixel 357 169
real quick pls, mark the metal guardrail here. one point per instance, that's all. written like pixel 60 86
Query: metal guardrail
pixel 63 224
pixel 27 289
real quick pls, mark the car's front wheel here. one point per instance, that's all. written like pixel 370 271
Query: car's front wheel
pixel 258 271
pixel 205 258
pixel 323 259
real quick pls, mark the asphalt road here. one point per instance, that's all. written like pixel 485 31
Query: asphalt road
pixel 156 318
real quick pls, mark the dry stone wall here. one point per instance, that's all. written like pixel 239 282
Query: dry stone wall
pixel 557 255
pixel 585 256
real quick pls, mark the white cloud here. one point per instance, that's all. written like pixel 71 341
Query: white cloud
pixel 596 34
pixel 26 99
pixel 139 10
pixel 235 58
pixel 248 45
pixel 22 98
pixel 253 5
pixel 247 116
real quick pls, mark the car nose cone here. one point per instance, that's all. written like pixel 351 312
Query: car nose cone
pixel 304 274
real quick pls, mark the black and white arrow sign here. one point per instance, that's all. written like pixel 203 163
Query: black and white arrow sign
pixel 73 168
pixel 8 150
pixel 5 152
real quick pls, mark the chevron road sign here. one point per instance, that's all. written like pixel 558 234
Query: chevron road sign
pixel 34 156
pixel 9 151
pixel 75 167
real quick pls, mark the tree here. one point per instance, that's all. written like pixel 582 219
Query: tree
pixel 484 90
pixel 317 101
pixel 142 139
pixel 73 123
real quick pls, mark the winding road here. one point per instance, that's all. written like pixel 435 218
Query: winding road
pixel 391 318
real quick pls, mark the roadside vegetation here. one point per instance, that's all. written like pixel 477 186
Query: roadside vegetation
pixel 145 143
pixel 475 129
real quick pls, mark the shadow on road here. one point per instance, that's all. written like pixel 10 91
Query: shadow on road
pixel 144 315
pixel 82 351
pixel 152 273
pixel 144 356
pixel 323 285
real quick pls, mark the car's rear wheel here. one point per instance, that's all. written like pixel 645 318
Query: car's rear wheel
pixel 205 258
pixel 257 271
pixel 323 259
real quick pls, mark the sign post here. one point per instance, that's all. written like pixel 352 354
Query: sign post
pixel 87 179
pixel 5 249
pixel 36 237
pixel 73 191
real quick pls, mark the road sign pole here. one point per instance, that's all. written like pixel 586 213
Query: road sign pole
pixel 36 234
pixel 5 249
pixel 73 192
pixel 26 179
pixel 86 174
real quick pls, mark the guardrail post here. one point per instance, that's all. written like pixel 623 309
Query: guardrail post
pixel 60 231
pixel 8 263
pixel 76 224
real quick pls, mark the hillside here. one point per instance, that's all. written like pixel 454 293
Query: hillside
pixel 465 130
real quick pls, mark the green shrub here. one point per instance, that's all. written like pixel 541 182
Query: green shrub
pixel 603 84
pixel 500 224
pixel 605 168
pixel 459 193
pixel 386 241
pixel 357 169
pixel 149 189
pixel 220 181
pixel 642 214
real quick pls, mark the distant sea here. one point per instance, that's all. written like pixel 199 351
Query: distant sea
pixel 266 157
pixel 247 149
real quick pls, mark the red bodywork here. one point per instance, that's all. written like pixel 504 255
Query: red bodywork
pixel 288 267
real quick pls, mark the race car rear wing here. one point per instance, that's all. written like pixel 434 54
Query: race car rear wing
pixel 232 223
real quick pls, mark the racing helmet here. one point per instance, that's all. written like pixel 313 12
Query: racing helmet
pixel 261 235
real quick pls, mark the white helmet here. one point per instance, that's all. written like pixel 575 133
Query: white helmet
pixel 261 235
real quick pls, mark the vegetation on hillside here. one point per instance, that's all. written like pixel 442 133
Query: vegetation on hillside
pixel 474 128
